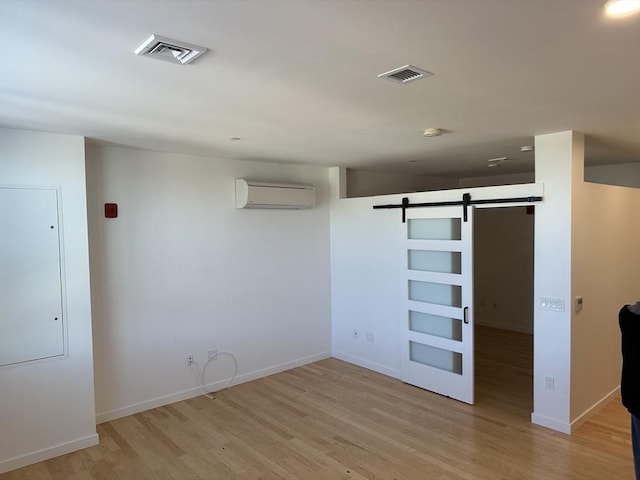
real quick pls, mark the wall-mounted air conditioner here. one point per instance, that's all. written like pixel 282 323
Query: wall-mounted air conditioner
pixel 251 194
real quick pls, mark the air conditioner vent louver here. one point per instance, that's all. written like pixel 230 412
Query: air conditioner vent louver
pixel 405 74
pixel 163 48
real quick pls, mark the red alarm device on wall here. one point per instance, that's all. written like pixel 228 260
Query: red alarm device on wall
pixel 110 210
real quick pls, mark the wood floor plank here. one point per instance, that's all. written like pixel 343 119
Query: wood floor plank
pixel 335 421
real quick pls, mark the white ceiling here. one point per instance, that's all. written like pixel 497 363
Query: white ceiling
pixel 297 80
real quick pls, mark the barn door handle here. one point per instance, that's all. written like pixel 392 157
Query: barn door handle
pixel 466 314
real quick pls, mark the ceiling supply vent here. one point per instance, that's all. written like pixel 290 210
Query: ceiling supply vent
pixel 405 74
pixel 169 50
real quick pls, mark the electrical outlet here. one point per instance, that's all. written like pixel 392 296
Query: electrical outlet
pixel 212 354
pixel 189 360
pixel 355 334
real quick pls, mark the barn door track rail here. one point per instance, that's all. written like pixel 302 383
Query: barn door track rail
pixel 465 202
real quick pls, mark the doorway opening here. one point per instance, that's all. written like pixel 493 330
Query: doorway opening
pixel 503 301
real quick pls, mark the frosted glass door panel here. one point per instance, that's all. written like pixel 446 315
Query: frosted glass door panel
pixel 31 323
pixel 443 327
pixel 438 293
pixel 436 357
pixel 434 229
pixel 435 261
pixel 437 317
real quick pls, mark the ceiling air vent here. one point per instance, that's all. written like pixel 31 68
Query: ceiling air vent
pixel 169 50
pixel 405 74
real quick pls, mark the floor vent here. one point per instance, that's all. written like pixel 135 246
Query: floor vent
pixel 405 74
pixel 169 50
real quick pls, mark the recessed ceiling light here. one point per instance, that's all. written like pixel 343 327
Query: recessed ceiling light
pixel 169 50
pixel 621 8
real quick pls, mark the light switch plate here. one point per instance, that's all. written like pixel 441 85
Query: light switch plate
pixel 551 304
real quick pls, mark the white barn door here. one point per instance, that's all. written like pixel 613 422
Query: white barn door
pixel 437 336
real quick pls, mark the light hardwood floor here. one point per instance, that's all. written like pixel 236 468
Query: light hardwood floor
pixel 332 420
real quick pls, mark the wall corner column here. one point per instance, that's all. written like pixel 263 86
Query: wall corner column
pixel 559 159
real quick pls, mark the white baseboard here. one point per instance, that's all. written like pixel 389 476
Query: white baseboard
pixel 551 423
pixel 47 453
pixel 571 427
pixel 594 409
pixel 361 362
pixel 194 392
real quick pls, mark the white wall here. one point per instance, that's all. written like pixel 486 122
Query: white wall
pixel 503 268
pixel 182 271
pixel 366 287
pixel 624 174
pixel 47 406
pixel 559 159
pixel 606 273
pixel 362 183
pixel 492 180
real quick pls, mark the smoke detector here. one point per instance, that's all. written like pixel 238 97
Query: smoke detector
pixel 405 74
pixel 433 132
pixel 169 50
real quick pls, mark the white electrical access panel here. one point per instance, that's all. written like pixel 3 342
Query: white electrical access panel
pixel 31 288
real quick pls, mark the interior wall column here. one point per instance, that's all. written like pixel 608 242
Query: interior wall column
pixel 559 160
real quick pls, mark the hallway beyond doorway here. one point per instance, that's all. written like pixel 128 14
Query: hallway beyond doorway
pixel 504 370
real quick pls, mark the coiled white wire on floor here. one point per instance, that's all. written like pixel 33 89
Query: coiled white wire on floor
pixel 204 367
